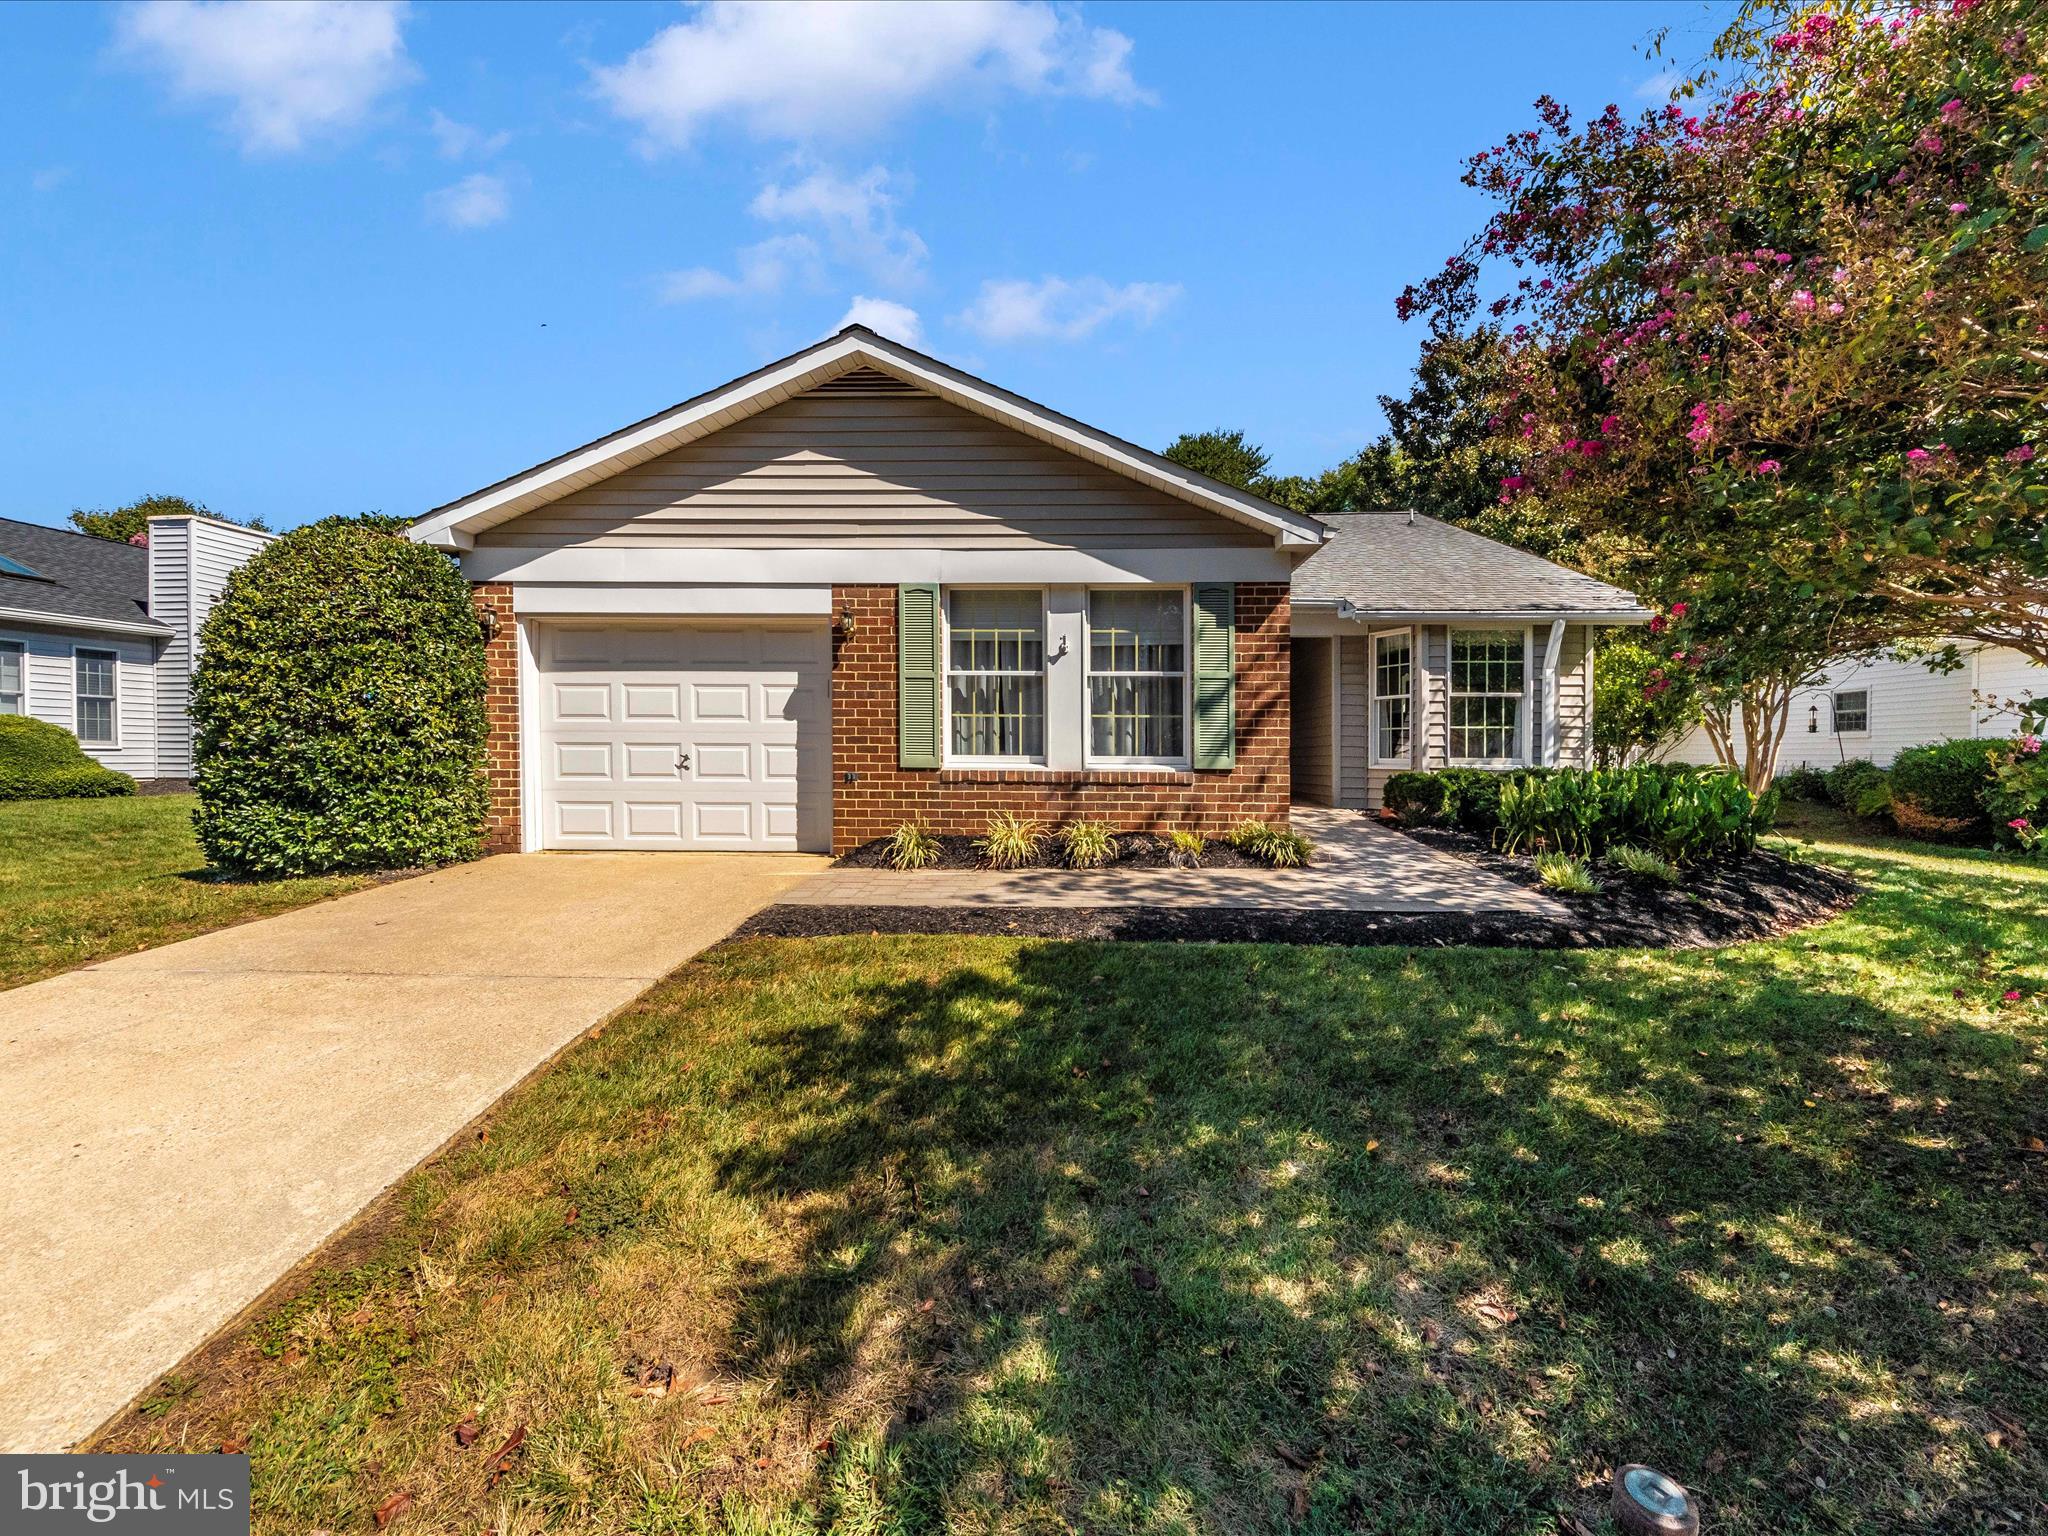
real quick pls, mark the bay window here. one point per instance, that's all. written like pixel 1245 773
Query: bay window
pixel 1488 695
pixel 995 674
pixel 1137 675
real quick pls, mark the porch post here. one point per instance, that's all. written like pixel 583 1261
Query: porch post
pixel 1550 654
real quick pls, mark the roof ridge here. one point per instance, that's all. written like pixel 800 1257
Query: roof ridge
pixel 76 533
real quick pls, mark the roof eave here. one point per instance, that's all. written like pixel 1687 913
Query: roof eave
pixel 45 619
pixel 455 525
pixel 1344 608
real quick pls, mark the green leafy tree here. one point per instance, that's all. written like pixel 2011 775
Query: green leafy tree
pixel 1780 348
pixel 123 524
pixel 1642 701
pixel 1229 456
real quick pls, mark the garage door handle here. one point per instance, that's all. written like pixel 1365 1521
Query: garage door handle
pixel 683 761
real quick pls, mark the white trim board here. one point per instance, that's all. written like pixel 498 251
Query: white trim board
pixel 648 568
pixel 456 525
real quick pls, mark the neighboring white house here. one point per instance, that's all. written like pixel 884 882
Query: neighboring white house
pixel 100 637
pixel 1876 706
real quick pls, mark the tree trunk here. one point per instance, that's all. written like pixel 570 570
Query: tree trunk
pixel 1763 708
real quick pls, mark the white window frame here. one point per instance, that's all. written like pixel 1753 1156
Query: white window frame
pixel 1089 674
pixel 19 651
pixel 113 698
pixel 1835 710
pixel 948 758
pixel 1374 696
pixel 1520 756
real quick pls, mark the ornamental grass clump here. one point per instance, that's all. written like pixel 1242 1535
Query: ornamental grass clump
pixel 1641 861
pixel 1280 847
pixel 913 846
pixel 1010 842
pixel 1184 850
pixel 1568 873
pixel 1086 845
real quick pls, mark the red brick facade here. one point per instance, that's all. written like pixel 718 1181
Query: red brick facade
pixel 959 801
pixel 501 710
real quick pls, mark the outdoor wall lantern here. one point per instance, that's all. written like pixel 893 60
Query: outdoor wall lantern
pixel 1813 719
pixel 487 624
pixel 843 625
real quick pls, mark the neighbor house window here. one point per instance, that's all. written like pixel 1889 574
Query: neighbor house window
pixel 1489 676
pixel 1852 712
pixel 12 689
pixel 995 674
pixel 96 718
pixel 1393 696
pixel 1137 676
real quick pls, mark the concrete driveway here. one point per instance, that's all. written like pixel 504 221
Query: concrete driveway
pixel 179 1127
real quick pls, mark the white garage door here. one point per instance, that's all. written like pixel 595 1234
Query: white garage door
pixel 704 735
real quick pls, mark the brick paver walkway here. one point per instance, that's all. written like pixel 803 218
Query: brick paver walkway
pixel 1360 866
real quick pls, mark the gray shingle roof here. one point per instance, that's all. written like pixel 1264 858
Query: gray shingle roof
pixel 1402 563
pixel 85 578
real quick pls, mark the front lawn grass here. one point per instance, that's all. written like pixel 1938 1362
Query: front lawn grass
pixel 83 880
pixel 972 1234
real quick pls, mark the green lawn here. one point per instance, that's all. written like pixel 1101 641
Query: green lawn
pixel 947 1234
pixel 81 880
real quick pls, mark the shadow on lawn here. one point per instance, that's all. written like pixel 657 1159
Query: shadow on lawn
pixel 1149 1237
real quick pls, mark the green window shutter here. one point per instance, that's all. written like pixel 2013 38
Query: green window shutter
pixel 1215 605
pixel 917 675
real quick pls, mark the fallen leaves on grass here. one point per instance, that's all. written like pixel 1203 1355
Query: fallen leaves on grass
pixel 1143 1278
pixel 391 1508
pixel 501 1458
pixel 467 1431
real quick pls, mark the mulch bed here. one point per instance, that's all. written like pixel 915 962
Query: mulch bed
pixel 1134 850
pixel 1752 898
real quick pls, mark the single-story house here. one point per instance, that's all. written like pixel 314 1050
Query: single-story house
pixel 100 637
pixel 1877 706
pixel 860 586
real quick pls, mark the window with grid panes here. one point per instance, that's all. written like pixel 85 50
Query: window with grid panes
pixel 995 674
pixel 1137 676
pixel 1488 677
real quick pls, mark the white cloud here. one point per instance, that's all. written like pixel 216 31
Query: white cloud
pixel 858 217
pixel 1059 309
pixel 474 202
pixel 460 141
pixel 763 269
pixel 899 322
pixel 1660 86
pixel 292 71
pixel 797 72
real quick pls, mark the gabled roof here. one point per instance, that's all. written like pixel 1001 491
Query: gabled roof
pixel 80 582
pixel 1405 565
pixel 456 525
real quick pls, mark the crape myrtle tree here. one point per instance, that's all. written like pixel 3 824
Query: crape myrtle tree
pixel 127 524
pixel 1783 348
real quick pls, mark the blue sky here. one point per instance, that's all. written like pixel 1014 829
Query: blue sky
pixel 293 262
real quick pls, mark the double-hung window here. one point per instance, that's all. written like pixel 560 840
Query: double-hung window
pixel 1489 685
pixel 97 720
pixel 1137 675
pixel 13 686
pixel 1393 696
pixel 995 674
pixel 1852 712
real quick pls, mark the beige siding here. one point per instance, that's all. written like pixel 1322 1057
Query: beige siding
pixel 836 469
pixel 1310 722
pixel 1574 697
pixel 1355 787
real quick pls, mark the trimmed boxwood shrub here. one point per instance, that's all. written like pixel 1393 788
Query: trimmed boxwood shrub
pixel 1938 789
pixel 41 761
pixel 1854 783
pixel 1419 799
pixel 338 709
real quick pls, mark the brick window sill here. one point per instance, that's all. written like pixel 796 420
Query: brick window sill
pixel 1062 777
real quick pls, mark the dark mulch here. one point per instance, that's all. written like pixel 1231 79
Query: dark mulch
pixel 1751 898
pixel 163 786
pixel 1134 850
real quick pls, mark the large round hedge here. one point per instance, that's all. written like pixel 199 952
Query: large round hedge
pixel 1938 789
pixel 337 709
pixel 40 761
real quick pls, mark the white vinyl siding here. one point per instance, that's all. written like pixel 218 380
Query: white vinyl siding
pixel 190 560
pixel 50 691
pixel 883 469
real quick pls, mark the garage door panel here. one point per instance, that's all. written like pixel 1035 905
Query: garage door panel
pixel 747 706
